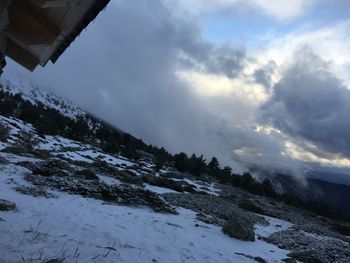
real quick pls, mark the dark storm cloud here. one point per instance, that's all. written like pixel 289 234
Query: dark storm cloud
pixel 123 69
pixel 222 59
pixel 310 103
pixel 263 75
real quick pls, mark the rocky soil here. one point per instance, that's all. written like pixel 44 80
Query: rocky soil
pixel 311 238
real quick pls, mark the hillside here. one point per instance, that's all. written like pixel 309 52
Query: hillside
pixel 75 189
pixel 333 194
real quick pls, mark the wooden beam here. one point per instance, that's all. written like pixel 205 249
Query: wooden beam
pixel 21 56
pixel 55 3
pixel 30 26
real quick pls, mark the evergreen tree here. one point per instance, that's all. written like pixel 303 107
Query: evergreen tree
pixel 181 162
pixel 225 175
pixel 197 165
pixel 268 189
pixel 213 167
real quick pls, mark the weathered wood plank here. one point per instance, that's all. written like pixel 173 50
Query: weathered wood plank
pixel 21 56
pixel 30 26
pixel 56 3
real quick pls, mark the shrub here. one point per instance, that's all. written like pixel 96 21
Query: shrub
pixel 7 205
pixel 342 229
pixel 16 150
pixel 28 140
pixel 164 182
pixel 34 191
pixel 237 227
pixel 305 256
pixel 250 206
pixel 4 133
pixel 87 174
pixel 130 179
pixel 42 154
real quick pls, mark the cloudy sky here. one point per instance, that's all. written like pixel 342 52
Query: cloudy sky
pixel 254 82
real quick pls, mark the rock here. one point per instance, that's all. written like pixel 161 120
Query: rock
pixel 41 154
pixel 239 228
pixel 7 205
pixel 3 160
pixel 55 260
pixel 260 260
pixel 174 174
pixel 250 206
pixel 208 219
pixel 257 259
pixel 15 150
pixel 87 174
pixel 34 191
pixel 49 168
pixel 127 178
pixel 136 196
pixel 163 182
pixel 28 165
pixel 214 206
pixel 306 256
pixel 289 260
pixel 127 195
pixel 190 189
pixel 307 247
pixel 343 229
pixel 102 167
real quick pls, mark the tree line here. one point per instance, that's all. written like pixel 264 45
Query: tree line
pixel 89 129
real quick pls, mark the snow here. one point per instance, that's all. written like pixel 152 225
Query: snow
pixel 2 145
pixel 93 154
pixel 80 229
pixel 51 143
pixel 109 180
pixel 202 186
pixel 275 225
pixel 16 125
pixel 74 156
pixel 158 190
pixel 147 165
pixel 82 152
pixel 90 156
pixel 16 128
pixel 13 158
pixel 35 95
pixel 88 230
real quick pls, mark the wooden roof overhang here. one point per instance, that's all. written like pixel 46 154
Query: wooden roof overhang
pixel 40 30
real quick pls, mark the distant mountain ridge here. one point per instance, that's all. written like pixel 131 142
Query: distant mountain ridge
pixel 332 174
pixel 333 194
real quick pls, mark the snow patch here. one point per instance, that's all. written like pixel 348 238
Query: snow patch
pixel 87 230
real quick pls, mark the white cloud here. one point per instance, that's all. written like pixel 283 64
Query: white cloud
pixel 331 43
pixel 281 10
pixel 210 85
pixel 139 91
pixel 299 153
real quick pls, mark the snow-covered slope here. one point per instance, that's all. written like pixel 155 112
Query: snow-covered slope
pixel 32 93
pixel 50 223
pixel 80 201
pixel 79 229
